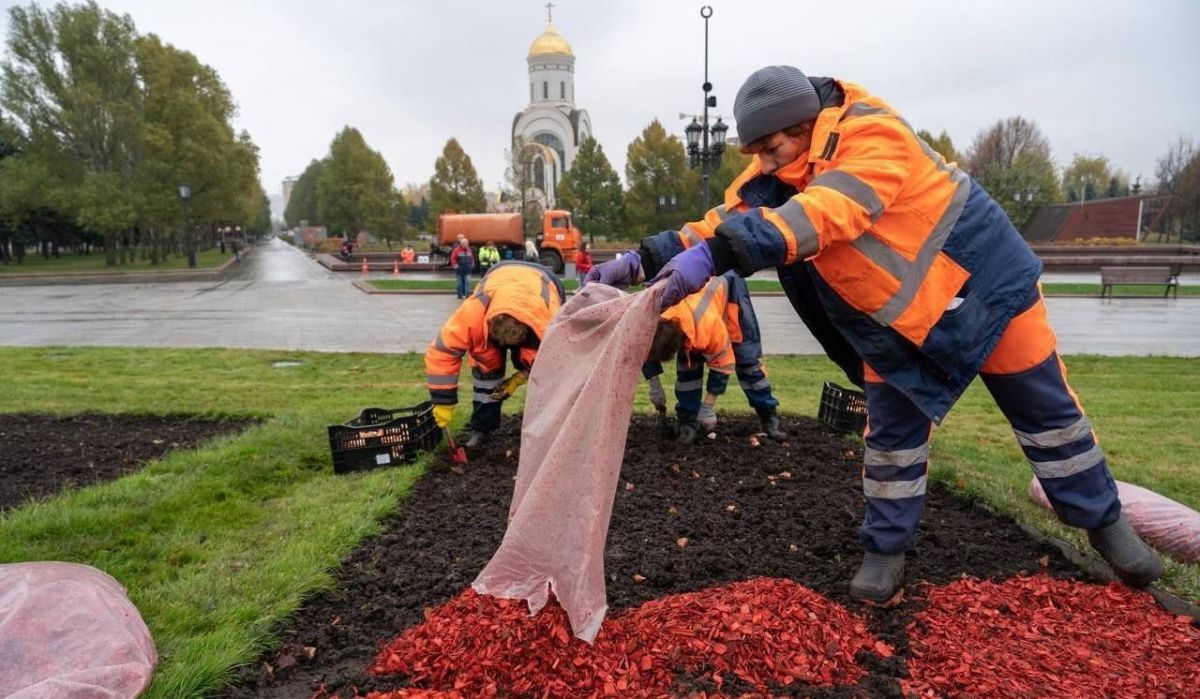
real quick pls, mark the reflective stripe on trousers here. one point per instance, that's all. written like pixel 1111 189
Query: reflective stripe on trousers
pixel 1047 421
pixel 689 389
pixel 1058 443
pixel 895 467
pixel 485 412
pixel 752 377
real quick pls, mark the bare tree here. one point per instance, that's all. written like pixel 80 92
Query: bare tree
pixel 1178 175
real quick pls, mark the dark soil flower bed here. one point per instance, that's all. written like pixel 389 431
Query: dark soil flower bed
pixel 43 454
pixel 685 520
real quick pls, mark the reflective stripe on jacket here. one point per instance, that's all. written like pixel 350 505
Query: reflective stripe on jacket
pixel 703 317
pixel 528 292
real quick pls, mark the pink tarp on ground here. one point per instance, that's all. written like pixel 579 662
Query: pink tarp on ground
pixel 1168 526
pixel 68 630
pixel 577 413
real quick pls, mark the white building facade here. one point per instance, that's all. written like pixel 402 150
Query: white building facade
pixel 552 127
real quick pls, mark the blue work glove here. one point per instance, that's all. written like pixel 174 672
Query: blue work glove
pixel 684 275
pixel 620 272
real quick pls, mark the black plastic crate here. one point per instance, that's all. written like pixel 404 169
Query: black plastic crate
pixel 843 409
pixel 380 437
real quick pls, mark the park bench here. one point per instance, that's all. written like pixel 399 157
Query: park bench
pixel 1146 276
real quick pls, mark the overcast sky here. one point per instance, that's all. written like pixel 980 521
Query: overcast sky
pixel 1099 77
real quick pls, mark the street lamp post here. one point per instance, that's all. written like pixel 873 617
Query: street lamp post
pixel 189 243
pixel 700 151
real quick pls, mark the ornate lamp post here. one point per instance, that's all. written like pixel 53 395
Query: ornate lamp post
pixel 700 152
pixel 189 244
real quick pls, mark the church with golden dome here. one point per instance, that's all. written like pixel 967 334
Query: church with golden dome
pixel 551 126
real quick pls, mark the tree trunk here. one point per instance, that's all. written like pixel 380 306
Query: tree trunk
pixel 110 250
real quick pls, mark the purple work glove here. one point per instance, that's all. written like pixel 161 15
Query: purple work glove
pixel 620 272
pixel 684 275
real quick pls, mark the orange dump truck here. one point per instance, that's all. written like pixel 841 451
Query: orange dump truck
pixel 557 241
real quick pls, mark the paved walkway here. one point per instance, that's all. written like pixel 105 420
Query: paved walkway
pixel 281 299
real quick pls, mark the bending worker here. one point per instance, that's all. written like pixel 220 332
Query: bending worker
pixel 506 315
pixel 914 281
pixel 715 326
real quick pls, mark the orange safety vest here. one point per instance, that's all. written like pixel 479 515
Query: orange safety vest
pixel 528 292
pixel 890 233
pixel 705 320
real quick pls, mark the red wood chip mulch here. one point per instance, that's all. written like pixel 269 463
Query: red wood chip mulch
pixel 765 632
pixel 1031 636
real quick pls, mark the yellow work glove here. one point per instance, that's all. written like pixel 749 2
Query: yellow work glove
pixel 442 415
pixel 510 385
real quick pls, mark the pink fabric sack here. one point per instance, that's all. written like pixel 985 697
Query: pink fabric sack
pixel 1169 526
pixel 577 412
pixel 68 630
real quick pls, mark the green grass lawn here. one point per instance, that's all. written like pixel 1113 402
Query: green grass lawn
pixel 218 545
pixel 1086 289
pixel 67 262
pixel 769 285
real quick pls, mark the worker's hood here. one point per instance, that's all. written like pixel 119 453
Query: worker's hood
pixel 526 291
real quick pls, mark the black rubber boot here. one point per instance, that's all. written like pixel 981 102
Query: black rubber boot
pixel 689 432
pixel 878 578
pixel 1132 560
pixel 475 438
pixel 770 425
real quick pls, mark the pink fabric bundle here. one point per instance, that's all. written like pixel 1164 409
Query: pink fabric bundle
pixel 1168 526
pixel 69 630
pixel 577 412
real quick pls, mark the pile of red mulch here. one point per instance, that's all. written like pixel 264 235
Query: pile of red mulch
pixel 1035 635
pixel 760 633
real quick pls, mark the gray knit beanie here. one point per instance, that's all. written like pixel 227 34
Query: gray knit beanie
pixel 772 99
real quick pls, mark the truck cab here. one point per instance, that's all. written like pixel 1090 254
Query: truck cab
pixel 558 240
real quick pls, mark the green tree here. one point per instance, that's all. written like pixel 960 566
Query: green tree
pixel 356 192
pixel 302 205
pixel 455 186
pixel 941 144
pixel 188 138
pixel 71 85
pixel 1012 161
pixel 591 191
pixel 662 192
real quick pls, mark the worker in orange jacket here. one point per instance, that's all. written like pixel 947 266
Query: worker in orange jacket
pixel 914 281
pixel 716 326
pixel 506 315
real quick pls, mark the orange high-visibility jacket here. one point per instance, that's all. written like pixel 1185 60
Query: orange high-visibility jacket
pixel 526 291
pixel 886 234
pixel 707 324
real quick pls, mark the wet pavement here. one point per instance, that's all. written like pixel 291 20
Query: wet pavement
pixel 279 298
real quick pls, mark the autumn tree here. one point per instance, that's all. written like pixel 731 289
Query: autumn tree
pixel 1178 177
pixel 455 186
pixel 662 192
pixel 1012 161
pixel 733 162
pixel 519 183
pixel 1092 177
pixel 591 191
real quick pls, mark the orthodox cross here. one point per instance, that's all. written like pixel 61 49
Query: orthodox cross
pixel 549 12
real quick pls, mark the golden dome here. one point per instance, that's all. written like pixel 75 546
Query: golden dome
pixel 550 42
